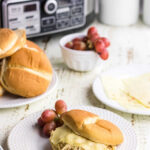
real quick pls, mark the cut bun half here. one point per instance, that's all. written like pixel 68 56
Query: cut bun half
pixel 90 126
pixel 11 41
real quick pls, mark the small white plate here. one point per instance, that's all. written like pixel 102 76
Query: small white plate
pixel 25 136
pixel 9 100
pixel 120 72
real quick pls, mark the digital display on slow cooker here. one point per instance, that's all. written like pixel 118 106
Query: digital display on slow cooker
pixel 28 8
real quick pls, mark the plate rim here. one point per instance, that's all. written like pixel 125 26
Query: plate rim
pixel 35 99
pixel 77 107
pixel 146 112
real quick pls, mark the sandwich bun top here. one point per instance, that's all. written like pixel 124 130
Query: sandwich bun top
pixel 8 38
pixel 90 126
pixel 11 41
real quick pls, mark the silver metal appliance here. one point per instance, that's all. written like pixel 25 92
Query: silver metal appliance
pixel 45 17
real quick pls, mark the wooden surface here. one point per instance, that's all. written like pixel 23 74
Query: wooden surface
pixel 128 45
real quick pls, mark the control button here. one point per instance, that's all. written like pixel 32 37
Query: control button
pixel 13 19
pixel 50 6
pixel 29 27
pixel 15 24
pixel 33 30
pixel 48 21
pixel 63 24
pixel 63 13
pixel 77 20
pixel 77 10
pixel 29 17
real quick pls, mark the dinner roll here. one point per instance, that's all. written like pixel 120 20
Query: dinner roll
pixel 90 126
pixel 1 90
pixel 1 87
pixel 11 41
pixel 26 73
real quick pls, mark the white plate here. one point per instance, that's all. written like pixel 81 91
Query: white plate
pixel 9 100
pixel 120 72
pixel 25 136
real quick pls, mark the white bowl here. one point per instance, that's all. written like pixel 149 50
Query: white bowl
pixel 75 59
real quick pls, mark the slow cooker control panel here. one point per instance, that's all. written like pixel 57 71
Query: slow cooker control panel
pixel 60 15
pixel 25 16
pixel 44 16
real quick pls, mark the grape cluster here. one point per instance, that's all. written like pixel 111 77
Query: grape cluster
pixel 50 119
pixel 92 41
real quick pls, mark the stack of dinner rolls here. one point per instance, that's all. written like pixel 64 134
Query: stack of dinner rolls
pixel 25 70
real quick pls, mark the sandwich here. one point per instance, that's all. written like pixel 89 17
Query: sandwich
pixel 83 130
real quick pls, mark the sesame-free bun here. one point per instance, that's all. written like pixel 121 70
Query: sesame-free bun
pixel 1 90
pixel 90 126
pixel 28 72
pixel 11 41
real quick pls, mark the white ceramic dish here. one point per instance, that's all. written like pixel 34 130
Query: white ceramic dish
pixel 75 59
pixel 120 72
pixel 25 136
pixel 9 100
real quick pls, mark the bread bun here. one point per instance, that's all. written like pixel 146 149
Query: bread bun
pixel 90 126
pixel 2 90
pixel 11 41
pixel 26 73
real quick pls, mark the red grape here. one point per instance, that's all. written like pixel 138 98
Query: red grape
pixel 104 55
pixel 85 39
pixel 40 122
pixel 94 37
pixel 106 41
pixel 69 45
pixel 60 107
pixel 76 40
pixel 79 45
pixel 48 128
pixel 99 46
pixel 48 116
pixel 91 31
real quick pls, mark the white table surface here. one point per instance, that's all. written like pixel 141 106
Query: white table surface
pixel 128 45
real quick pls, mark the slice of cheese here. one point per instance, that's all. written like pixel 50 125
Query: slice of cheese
pixel 65 135
pixel 139 88
pixel 115 89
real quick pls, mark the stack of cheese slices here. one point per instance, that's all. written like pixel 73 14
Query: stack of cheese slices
pixel 83 130
pixel 131 93
pixel 25 69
